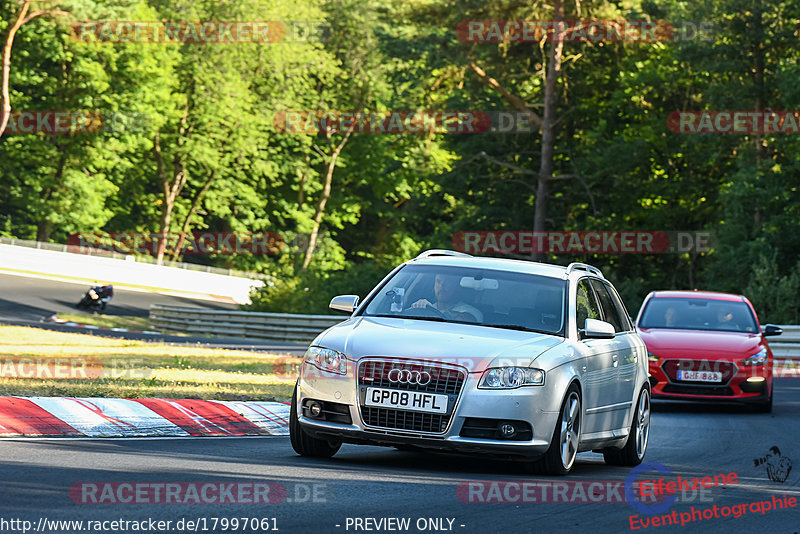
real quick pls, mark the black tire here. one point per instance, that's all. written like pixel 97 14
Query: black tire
pixel 551 463
pixel 302 443
pixel 630 455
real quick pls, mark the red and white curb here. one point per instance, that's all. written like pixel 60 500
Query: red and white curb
pixel 55 319
pixel 101 417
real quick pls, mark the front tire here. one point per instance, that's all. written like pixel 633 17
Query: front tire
pixel 635 448
pixel 302 443
pixel 560 456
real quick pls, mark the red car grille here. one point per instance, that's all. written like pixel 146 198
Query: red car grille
pixel 671 368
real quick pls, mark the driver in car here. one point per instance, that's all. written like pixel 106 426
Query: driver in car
pixel 446 288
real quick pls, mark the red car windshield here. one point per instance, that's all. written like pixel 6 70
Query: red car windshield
pixel 698 314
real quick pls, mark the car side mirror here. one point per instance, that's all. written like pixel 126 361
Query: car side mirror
pixel 598 330
pixel 772 330
pixel 344 303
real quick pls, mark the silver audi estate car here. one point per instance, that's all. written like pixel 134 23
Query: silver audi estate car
pixel 494 356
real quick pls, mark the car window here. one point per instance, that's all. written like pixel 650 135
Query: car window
pixel 698 314
pixel 586 306
pixel 623 313
pixel 504 299
pixel 610 312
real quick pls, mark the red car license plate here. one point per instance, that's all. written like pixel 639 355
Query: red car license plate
pixel 700 376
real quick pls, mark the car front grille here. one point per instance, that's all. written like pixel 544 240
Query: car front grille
pixel 443 381
pixel 446 381
pixel 716 391
pixel 405 420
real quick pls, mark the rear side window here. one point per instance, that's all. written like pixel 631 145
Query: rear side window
pixel 586 306
pixel 611 311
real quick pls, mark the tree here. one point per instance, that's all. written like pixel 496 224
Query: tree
pixel 22 18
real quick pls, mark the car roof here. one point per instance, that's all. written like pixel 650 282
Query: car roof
pixel 712 295
pixel 498 264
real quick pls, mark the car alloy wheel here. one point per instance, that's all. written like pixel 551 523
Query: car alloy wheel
pixel 642 424
pixel 570 429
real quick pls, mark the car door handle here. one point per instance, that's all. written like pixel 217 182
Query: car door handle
pixel 616 360
pixel 583 368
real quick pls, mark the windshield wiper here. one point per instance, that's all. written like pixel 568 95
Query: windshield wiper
pixel 520 328
pixel 421 317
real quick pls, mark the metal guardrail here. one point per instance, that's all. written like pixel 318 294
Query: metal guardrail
pixel 59 247
pixel 304 328
pixel 274 326
pixel 787 345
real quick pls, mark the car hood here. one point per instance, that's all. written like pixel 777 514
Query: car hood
pixel 665 342
pixel 474 347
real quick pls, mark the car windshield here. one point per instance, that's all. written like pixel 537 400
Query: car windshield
pixel 501 299
pixel 698 314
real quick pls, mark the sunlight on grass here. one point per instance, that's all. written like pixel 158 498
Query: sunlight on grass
pixel 109 321
pixel 132 369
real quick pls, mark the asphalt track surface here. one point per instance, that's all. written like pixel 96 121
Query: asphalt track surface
pixel 27 301
pixel 370 482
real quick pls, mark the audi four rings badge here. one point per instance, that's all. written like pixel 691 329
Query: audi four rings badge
pixel 407 376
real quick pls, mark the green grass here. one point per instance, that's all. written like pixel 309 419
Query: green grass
pixel 132 369
pixel 110 321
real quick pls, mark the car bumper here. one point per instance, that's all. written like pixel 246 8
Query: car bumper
pixel 536 406
pixel 737 388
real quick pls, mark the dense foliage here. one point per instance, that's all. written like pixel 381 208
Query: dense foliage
pixel 202 151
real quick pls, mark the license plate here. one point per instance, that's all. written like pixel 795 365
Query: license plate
pixel 407 400
pixel 700 376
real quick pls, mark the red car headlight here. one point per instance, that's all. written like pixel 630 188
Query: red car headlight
pixel 759 358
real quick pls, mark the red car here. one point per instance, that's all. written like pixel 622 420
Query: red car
pixel 707 346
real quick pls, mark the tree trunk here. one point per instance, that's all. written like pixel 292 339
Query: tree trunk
pixel 324 196
pixel 5 112
pixel 5 96
pixel 171 189
pixel 43 230
pixel 548 126
pixel 192 210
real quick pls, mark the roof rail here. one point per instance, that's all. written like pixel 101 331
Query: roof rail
pixel 441 252
pixel 584 267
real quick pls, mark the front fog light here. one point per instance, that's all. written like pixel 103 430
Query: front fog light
pixel 511 377
pixel 315 409
pixel 326 360
pixel 507 430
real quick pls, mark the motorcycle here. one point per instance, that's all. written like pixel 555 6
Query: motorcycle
pixel 96 297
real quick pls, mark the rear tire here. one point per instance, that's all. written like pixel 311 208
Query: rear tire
pixel 302 443
pixel 560 456
pixel 635 448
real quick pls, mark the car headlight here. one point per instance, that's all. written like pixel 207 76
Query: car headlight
pixel 326 360
pixel 651 357
pixel 759 358
pixel 511 377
